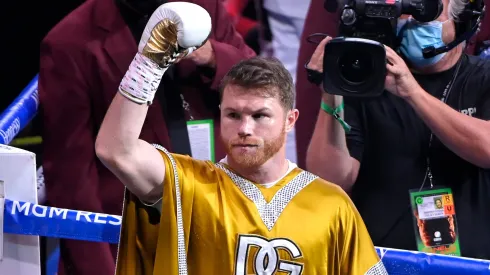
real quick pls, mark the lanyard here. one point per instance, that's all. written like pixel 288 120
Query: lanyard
pixel 445 96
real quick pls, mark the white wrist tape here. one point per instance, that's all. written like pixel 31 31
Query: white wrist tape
pixel 142 79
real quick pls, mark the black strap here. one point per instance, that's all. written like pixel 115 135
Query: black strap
pixel 173 113
pixel 444 99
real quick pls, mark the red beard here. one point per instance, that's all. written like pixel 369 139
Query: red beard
pixel 257 154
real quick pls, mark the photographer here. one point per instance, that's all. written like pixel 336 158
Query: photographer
pixel 430 128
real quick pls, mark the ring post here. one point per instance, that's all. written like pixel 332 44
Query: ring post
pixel 21 253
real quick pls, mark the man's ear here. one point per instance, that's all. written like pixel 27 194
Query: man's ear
pixel 291 118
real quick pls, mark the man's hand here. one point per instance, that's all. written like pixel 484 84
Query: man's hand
pixel 316 61
pixel 204 56
pixel 399 80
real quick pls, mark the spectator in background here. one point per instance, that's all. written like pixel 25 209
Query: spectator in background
pixel 318 20
pixel 246 21
pixel 83 60
pixel 429 129
pixel 286 19
pixel 282 25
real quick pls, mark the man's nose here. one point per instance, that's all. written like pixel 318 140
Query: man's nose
pixel 245 128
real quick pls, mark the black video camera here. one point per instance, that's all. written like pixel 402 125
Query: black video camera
pixel 354 63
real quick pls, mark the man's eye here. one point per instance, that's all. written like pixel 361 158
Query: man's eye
pixel 233 115
pixel 259 116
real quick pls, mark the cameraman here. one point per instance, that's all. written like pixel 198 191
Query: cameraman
pixel 389 150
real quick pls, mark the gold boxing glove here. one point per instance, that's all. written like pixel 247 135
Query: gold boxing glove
pixel 174 30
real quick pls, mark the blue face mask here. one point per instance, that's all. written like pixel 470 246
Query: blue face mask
pixel 417 36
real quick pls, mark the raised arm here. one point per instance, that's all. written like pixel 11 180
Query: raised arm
pixel 173 31
pixel 328 155
pixel 467 136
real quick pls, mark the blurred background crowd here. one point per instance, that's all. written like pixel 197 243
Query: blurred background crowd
pixel 262 27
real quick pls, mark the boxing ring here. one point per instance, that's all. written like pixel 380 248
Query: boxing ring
pixel 28 219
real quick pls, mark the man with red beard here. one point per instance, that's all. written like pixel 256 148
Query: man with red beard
pixel 254 212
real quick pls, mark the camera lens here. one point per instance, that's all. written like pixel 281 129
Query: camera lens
pixel 355 68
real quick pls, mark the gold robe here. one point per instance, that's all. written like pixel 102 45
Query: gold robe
pixel 220 223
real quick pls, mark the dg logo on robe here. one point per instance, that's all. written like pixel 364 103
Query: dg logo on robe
pixel 257 255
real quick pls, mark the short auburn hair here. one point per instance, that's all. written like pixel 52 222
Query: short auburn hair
pixel 265 76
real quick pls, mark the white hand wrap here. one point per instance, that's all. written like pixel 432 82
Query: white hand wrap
pixel 173 31
pixel 141 81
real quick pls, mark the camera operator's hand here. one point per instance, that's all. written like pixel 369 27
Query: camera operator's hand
pixel 399 80
pixel 316 61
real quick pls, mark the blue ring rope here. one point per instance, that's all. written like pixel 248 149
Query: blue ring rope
pixel 19 113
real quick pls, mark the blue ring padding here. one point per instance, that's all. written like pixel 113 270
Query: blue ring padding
pixel 32 219
pixel 19 113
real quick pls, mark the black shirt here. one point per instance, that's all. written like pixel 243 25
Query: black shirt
pixel 392 144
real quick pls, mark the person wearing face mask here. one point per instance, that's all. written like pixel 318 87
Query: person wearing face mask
pixel 83 59
pixel 415 35
pixel 318 20
pixel 429 129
